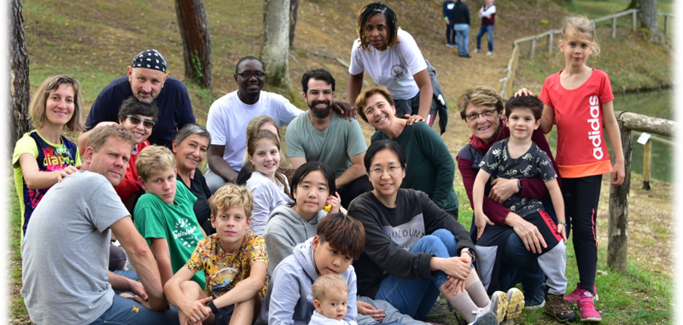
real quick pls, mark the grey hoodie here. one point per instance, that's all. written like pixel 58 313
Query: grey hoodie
pixel 285 229
pixel 289 299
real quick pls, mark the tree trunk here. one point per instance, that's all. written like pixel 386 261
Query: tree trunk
pixel 294 6
pixel 649 21
pixel 194 29
pixel 275 51
pixel 19 85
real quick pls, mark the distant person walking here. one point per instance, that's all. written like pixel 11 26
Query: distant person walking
pixel 448 6
pixel 488 18
pixel 461 25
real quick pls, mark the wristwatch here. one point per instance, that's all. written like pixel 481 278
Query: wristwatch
pixel 519 184
pixel 214 310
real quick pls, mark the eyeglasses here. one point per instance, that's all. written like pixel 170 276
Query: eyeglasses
pixel 379 171
pixel 248 75
pixel 474 116
pixel 325 92
pixel 148 124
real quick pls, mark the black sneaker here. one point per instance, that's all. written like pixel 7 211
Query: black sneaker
pixel 465 56
pixel 556 306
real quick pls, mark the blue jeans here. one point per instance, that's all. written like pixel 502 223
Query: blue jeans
pixel 520 265
pixel 463 32
pixel 488 29
pixel 416 297
pixel 127 311
pixel 450 34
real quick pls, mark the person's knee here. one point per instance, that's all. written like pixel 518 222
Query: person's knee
pixel 190 288
pixel 445 236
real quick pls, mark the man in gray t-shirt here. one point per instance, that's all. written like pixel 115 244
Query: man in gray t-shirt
pixel 65 254
pixel 321 135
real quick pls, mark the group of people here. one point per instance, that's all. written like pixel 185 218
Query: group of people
pixel 457 17
pixel 332 231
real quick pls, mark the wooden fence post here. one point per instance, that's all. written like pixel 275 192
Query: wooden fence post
pixel 666 24
pixel 533 47
pixel 550 42
pixel 634 15
pixel 614 27
pixel 647 163
pixel 617 232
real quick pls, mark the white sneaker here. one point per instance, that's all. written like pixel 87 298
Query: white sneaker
pixel 477 50
pixel 489 53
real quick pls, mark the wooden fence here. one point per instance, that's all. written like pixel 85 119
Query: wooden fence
pixel 617 232
pixel 507 81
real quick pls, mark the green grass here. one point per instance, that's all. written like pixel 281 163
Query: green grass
pixel 637 297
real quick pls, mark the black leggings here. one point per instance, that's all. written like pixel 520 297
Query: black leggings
pixel 581 197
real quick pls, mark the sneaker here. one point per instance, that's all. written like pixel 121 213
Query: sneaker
pixel 498 305
pixel 535 300
pixel 477 50
pixel 587 307
pixel 489 53
pixel 515 304
pixel 559 308
pixel 466 56
pixel 485 319
pixel 574 296
pixel 450 45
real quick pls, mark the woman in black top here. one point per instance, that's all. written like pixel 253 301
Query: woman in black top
pixel 413 249
pixel 189 147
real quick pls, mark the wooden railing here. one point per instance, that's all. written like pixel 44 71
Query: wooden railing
pixel 617 232
pixel 506 82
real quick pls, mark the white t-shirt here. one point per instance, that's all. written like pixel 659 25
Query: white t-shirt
pixel 229 116
pixel 392 68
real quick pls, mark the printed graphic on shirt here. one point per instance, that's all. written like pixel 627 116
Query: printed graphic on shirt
pixel 407 234
pixel 533 163
pixel 595 136
pixel 223 269
pixel 184 232
pixel 398 71
pixel 50 158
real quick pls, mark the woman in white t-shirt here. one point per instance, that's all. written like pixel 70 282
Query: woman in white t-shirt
pixel 392 59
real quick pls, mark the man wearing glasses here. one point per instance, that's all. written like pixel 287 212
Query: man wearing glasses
pixel 148 81
pixel 229 116
pixel 322 135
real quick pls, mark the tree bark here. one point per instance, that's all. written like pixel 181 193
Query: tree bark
pixel 19 83
pixel 294 6
pixel 194 29
pixel 649 21
pixel 617 224
pixel 275 51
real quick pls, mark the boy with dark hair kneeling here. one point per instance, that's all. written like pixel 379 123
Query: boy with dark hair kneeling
pixel 234 262
pixel 289 299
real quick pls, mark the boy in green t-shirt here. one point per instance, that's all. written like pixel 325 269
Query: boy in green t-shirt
pixel 164 215
pixel 234 261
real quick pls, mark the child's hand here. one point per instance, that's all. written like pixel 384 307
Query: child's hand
pixel 563 232
pixel 618 173
pixel 333 201
pixel 481 220
pixel 196 311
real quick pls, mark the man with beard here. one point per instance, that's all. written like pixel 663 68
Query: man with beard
pixel 148 82
pixel 322 135
pixel 229 116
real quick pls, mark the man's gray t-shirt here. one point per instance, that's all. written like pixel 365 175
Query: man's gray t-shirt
pixel 533 163
pixel 66 251
pixel 333 146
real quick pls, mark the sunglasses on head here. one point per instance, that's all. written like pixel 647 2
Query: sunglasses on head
pixel 148 124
